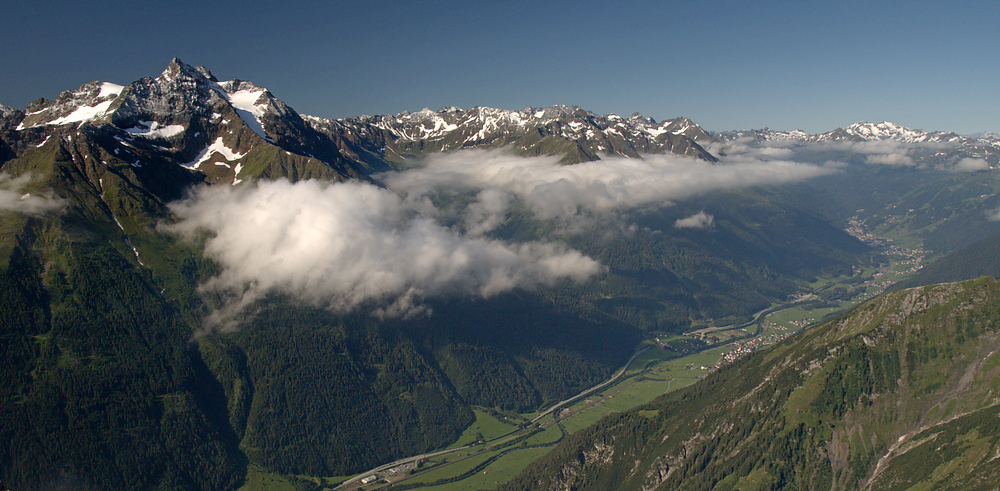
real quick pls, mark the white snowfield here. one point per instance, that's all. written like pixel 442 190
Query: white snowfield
pixel 107 94
pixel 152 129
pixel 217 147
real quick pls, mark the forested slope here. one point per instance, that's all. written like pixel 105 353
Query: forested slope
pixel 861 401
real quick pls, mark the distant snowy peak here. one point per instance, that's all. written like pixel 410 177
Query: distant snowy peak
pixel 763 135
pixel 885 130
pixel 987 136
pixel 584 134
pixel 428 124
pixel 178 69
pixel 4 111
pixel 886 143
pixel 860 131
pixel 186 115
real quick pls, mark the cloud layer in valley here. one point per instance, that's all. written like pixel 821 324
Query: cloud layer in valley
pixel 347 246
pixel 567 192
pixel 887 152
pixel 344 245
pixel 12 198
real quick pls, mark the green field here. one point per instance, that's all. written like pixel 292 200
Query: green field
pixel 500 471
pixel 486 427
pixel 259 480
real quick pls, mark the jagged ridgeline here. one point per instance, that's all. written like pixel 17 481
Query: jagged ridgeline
pixel 901 392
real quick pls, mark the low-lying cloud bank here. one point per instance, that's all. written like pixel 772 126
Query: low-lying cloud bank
pixel 346 245
pixel 878 152
pixel 564 192
pixel 351 246
pixel 13 199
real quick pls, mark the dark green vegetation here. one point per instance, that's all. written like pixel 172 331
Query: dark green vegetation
pixel 763 241
pixel 981 258
pixel 107 388
pixel 898 392
pixel 945 210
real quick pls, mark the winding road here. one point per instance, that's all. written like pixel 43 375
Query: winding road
pixel 410 460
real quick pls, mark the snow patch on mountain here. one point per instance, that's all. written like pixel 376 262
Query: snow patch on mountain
pixel 248 105
pixel 892 131
pixel 90 102
pixel 152 129
pixel 84 113
pixel 109 89
pixel 217 147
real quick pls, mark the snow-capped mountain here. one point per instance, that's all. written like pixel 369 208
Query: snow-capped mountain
pixel 233 130
pixel 860 131
pixel 935 148
pixel 577 134
pixel 865 131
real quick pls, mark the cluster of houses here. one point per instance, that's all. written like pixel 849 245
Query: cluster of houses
pixel 749 346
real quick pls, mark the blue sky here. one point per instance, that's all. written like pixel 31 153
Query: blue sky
pixel 726 65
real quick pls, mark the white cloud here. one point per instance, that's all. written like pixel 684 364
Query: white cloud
pixel 555 191
pixel 777 152
pixel 12 198
pixel 969 164
pixel 346 245
pixel 357 246
pixel 698 220
pixel 895 159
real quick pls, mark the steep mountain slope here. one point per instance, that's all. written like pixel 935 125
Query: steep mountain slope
pixel 102 387
pixel 220 131
pixel 980 258
pixel 898 392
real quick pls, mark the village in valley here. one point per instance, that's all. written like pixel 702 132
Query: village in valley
pixel 825 297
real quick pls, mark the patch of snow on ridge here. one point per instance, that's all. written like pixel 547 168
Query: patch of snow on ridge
pixel 152 129
pixel 109 89
pixel 246 105
pixel 247 101
pixel 84 113
pixel 88 105
pixel 217 147
pixel 653 131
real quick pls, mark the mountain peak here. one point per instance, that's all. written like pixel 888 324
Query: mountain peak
pixel 887 130
pixel 177 68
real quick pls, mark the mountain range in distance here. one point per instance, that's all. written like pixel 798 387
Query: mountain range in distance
pixel 183 113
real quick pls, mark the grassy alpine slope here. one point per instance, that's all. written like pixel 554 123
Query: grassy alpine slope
pixel 899 392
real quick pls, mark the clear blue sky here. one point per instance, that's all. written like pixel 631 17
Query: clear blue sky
pixel 726 65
